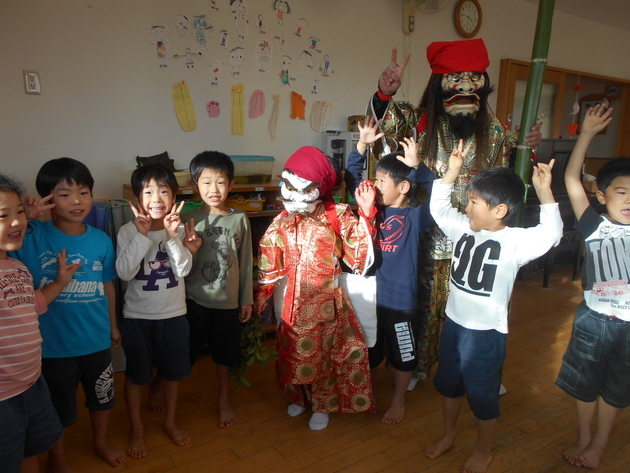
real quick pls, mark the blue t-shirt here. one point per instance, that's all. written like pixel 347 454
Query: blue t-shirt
pixel 77 322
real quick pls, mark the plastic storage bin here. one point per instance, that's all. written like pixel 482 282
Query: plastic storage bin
pixel 246 203
pixel 252 169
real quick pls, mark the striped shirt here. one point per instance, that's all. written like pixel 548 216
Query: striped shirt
pixel 20 340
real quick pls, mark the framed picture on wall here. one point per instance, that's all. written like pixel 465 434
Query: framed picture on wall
pixel 589 101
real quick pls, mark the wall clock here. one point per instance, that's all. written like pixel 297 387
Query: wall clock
pixel 468 18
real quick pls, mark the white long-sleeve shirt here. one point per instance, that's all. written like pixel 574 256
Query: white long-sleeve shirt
pixel 484 264
pixel 154 268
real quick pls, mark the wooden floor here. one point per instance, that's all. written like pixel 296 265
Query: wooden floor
pixel 536 425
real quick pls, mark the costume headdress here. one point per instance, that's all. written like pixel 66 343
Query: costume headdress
pixel 311 164
pixel 446 57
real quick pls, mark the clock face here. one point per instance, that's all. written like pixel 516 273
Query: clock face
pixel 469 18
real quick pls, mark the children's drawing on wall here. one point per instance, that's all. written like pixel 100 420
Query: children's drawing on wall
pixel 263 56
pixel 181 21
pixel 313 42
pixel 190 63
pixel 213 108
pixel 320 115
pixel 315 84
pixel 326 67
pixel 236 57
pixel 285 76
pixel 306 63
pixel 238 110
pixel 261 25
pixel 184 108
pixel 281 7
pixel 213 7
pixel 201 26
pixel 257 104
pixel 273 120
pixel 216 71
pixel 158 36
pixel 298 106
pixel 241 20
pixel 224 38
pixel 281 41
pixel 302 24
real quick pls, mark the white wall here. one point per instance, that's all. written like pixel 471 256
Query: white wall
pixel 104 100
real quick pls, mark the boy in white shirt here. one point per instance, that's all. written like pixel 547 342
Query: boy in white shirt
pixel 487 254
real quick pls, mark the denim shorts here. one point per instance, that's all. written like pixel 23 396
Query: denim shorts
pixel 94 371
pixel 29 426
pixel 163 343
pixel 471 364
pixel 597 360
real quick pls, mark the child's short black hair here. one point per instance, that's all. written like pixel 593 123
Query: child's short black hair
pixel 500 185
pixel 398 172
pixel 60 170
pixel 213 160
pixel 142 176
pixel 8 184
pixel 609 171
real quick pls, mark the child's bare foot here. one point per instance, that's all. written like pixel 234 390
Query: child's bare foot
pixel 591 457
pixel 136 447
pixel 112 455
pixel 441 445
pixel 57 467
pixel 394 414
pixel 178 435
pixel 156 395
pixel 572 454
pixel 478 462
pixel 227 416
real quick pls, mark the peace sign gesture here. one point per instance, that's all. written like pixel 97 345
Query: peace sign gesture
pixel 173 220
pixel 391 78
pixel 141 221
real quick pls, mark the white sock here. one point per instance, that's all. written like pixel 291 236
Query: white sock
pixel 412 383
pixel 319 421
pixel 294 410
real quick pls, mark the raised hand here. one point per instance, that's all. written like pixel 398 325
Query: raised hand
pixel 596 119
pixel 455 163
pixel 141 221
pixel 371 132
pixel 35 206
pixel 541 179
pixel 173 220
pixel 365 196
pixel 192 241
pixel 390 79
pixel 411 157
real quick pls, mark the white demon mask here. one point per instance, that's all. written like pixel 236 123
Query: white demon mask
pixel 298 195
pixel 461 89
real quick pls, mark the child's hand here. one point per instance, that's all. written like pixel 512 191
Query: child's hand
pixel 35 207
pixel 597 118
pixel 173 220
pixel 455 163
pixel 541 179
pixel 365 196
pixel 65 271
pixel 116 337
pixel 245 313
pixel 192 241
pixel 371 131
pixel 141 221
pixel 411 157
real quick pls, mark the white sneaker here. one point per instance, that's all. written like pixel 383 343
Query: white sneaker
pixel 502 390
pixel 319 421
pixel 412 384
pixel 294 410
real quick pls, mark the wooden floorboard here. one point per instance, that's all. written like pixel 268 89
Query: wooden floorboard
pixel 537 424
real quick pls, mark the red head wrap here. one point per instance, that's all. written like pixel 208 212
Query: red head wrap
pixel 311 164
pixel 446 57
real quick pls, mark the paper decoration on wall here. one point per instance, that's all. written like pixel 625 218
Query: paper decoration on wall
pixel 325 67
pixel 236 57
pixel 216 71
pixel 285 76
pixel 201 26
pixel 314 41
pixel 572 127
pixel 315 84
pixel 274 116
pixel 241 20
pixel 298 106
pixel 189 60
pixel 256 104
pixel 225 37
pixel 261 25
pixel 238 110
pixel 281 7
pixel 320 115
pixel 302 24
pixel 263 55
pixel 158 36
pixel 306 63
pixel 184 106
pixel 212 7
pixel 181 21
pixel 281 41
pixel 213 109
pixel 612 91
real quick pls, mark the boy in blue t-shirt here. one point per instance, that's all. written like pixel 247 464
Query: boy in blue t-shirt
pixel 399 225
pixel 80 327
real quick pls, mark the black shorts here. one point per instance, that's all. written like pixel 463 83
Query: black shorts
pixel 396 332
pixel 163 343
pixel 95 372
pixel 219 328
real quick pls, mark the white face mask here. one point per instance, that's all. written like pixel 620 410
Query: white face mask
pixel 463 86
pixel 295 193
